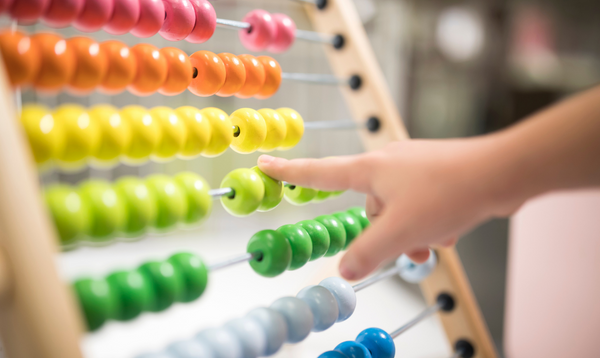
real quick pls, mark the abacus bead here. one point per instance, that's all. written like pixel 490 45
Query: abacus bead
pixel 194 275
pixel 166 282
pixel 276 130
pixel 415 273
pixel 122 67
pixel 221 131
pixel 378 342
pixel 273 191
pixel 248 194
pixel 179 75
pixel 138 203
pixel 235 75
pixel 57 62
pixel 285 34
pixel 323 306
pixel 125 16
pixel 262 30
pixel 157 355
pixel 321 196
pixel 62 13
pixel 209 75
pixel 145 133
pixel 252 130
pixel 255 76
pixel 199 201
pixel 298 195
pixel 152 70
pixel 96 300
pixel 198 131
pixel 173 133
pixel 21 57
pixel 275 253
pixel 171 203
pixel 353 349
pixel 344 295
pixel 333 354
pixel 294 128
pixel 5 5
pixel 115 133
pixel 272 77
pixel 152 17
pixel 91 64
pixel 351 225
pixel 81 135
pixel 68 211
pixel 133 293
pixel 300 243
pixel 222 342
pixel 274 325
pixel 206 22
pixel 180 18
pixel 94 15
pixel 28 11
pixel 298 316
pixel 44 135
pixel 107 213
pixel 337 233
pixel 250 334
pixel 319 237
pixel 361 215
pixel 190 348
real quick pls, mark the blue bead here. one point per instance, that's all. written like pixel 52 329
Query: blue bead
pixel 155 355
pixel 333 354
pixel 323 305
pixel 190 348
pixel 353 350
pixel 378 342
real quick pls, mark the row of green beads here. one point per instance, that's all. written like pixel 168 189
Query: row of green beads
pixel 97 210
pixel 154 286
pixel 292 246
pixel 298 195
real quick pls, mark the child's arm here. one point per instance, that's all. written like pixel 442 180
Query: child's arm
pixel 425 192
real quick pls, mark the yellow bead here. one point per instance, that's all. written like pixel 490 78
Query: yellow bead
pixel 145 134
pixel 173 132
pixel 250 130
pixel 82 135
pixel 115 133
pixel 221 131
pixel 276 129
pixel 45 137
pixel 294 125
pixel 198 131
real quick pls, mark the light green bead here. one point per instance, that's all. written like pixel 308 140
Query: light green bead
pixel 139 205
pixel 248 192
pixel 337 233
pixel 273 191
pixel 321 196
pixel 166 282
pixel 298 195
pixel 97 301
pixel 199 201
pixel 300 243
pixel 171 203
pixel 194 274
pixel 319 237
pixel 274 250
pixel 107 212
pixel 69 213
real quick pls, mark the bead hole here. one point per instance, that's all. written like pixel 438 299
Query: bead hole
pixel 291 187
pixel 259 256
pixel 236 131
pixel 249 30
pixel 165 15
pixel 194 72
pixel 232 194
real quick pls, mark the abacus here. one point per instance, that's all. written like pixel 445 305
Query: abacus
pixel 41 317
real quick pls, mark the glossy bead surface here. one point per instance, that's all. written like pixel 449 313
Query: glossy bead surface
pixel 198 131
pixel 255 76
pixel 152 70
pixel 235 75
pixel 333 354
pixel 62 13
pixel 262 30
pixel 250 334
pixel 300 243
pixel 68 211
pixel 199 201
pixel 285 33
pixel 209 75
pixel 298 195
pixel 115 133
pixel 57 62
pixel 221 134
pixel 5 5
pixel 145 133
pixel 351 225
pixel 21 57
pixel 276 130
pixel 251 130
pixel 133 293
pixel 28 11
pixel 337 233
pixel 152 17
pixel 361 215
pixel 166 282
pixel 222 342
pixel 45 137
pixel 173 133
pixel 96 301
pixel 190 348
pixel 294 125
pixel 180 18
pixel 275 253
pixel 107 213
pixel 353 350
pixel 415 273
pixel 319 237
pixel 122 67
pixel 94 15
pixel 206 22
pixel 179 75
pixel 138 203
pixel 91 64
pixel 344 295
pixel 194 275
pixel 273 191
pixel 378 342
pixel 81 134
pixel 248 192
pixel 274 326
pixel 322 304
pixel 298 316
pixel 171 203
pixel 125 16
pixel 321 196
pixel 272 77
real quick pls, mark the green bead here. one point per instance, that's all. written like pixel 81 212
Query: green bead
pixel 96 300
pixel 273 191
pixel 337 233
pixel 199 201
pixel 107 212
pixel 171 204
pixel 139 205
pixel 298 195
pixel 322 195
pixel 248 192
pixel 275 253
pixel 351 225
pixel 194 274
pixel 166 282
pixel 68 211
pixel 361 215
pixel 319 237
pixel 300 243
pixel 335 194
pixel 133 292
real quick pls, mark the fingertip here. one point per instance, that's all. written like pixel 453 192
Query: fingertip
pixel 419 256
pixel 351 268
pixel 265 159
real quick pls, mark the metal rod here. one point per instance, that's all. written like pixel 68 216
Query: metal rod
pixel 332 125
pixel 312 36
pixel 232 24
pixel 316 78
pixel 426 313
pixel 234 261
pixel 382 276
pixel 217 193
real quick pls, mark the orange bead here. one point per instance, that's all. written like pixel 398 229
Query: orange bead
pixel 20 56
pixel 209 73
pixel 122 67
pixel 152 70
pixel 235 75
pixel 180 71
pixel 91 67
pixel 272 78
pixel 57 62
pixel 255 76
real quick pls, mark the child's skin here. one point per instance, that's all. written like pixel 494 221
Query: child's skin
pixel 428 192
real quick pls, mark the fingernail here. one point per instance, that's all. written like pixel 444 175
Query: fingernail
pixel 265 159
pixel 347 269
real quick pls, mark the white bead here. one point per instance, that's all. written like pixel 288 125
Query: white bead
pixel 415 273
pixel 191 348
pixel 274 326
pixel 344 295
pixel 298 316
pixel 251 335
pixel 222 342
pixel 323 305
pixel 155 355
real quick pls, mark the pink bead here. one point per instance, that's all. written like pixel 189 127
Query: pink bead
pixel 285 35
pixel 28 11
pixel 5 5
pixel 206 22
pixel 180 19
pixel 152 17
pixel 62 13
pixel 124 18
pixel 95 14
pixel 262 30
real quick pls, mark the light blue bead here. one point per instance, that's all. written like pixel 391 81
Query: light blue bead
pixel 415 273
pixel 274 326
pixel 353 349
pixel 191 348
pixel 251 335
pixel 155 355
pixel 322 304
pixel 344 295
pixel 298 316
pixel 378 342
pixel 222 342
pixel 333 354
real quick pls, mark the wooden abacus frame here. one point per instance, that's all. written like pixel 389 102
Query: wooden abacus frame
pixel 38 315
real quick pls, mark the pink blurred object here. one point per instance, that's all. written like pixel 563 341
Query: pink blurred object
pixel 5 5
pixel 206 22
pixel 285 34
pixel 553 289
pixel 124 18
pixel 28 11
pixel 262 31
pixel 180 19
pixel 62 13
pixel 152 17
pixel 95 14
